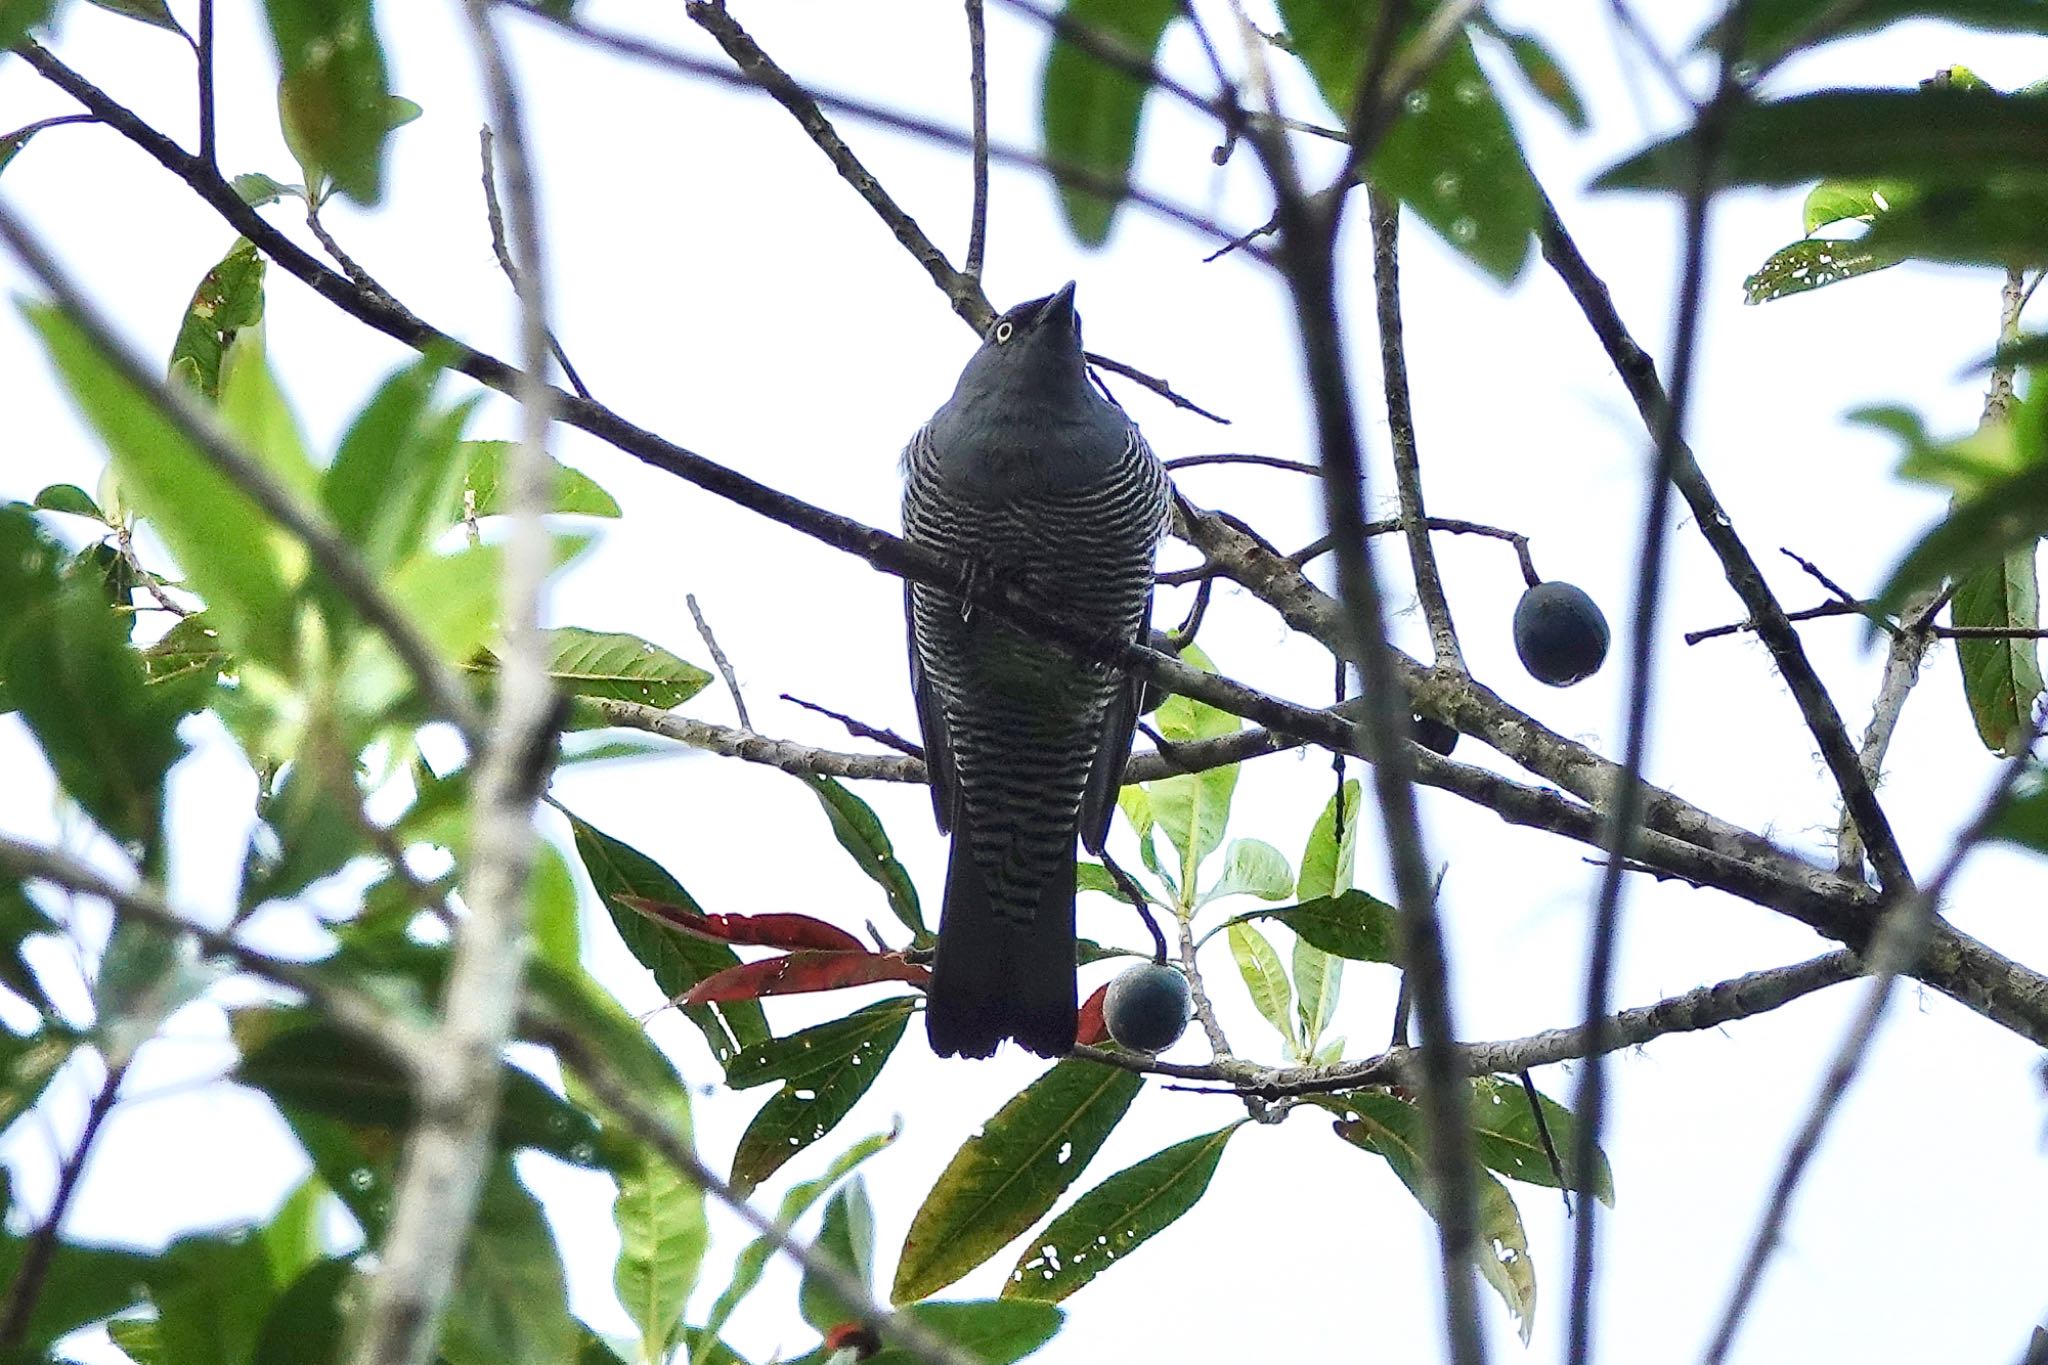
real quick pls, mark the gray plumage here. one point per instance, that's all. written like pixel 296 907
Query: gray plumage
pixel 1036 478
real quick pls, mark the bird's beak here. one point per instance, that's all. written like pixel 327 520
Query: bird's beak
pixel 1060 307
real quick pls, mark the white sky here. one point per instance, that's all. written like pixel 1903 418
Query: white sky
pixel 713 281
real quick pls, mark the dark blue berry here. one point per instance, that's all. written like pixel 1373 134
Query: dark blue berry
pixel 1560 634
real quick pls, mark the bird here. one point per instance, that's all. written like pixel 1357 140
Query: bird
pixel 1041 482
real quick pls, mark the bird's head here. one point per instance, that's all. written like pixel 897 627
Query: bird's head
pixel 1031 351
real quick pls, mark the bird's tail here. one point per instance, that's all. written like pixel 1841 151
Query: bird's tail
pixel 998 975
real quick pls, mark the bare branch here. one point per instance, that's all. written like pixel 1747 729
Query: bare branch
pixel 977 90
pixel 1706 1007
pixel 1385 213
pixel 446 1156
pixel 719 661
pixel 34 1266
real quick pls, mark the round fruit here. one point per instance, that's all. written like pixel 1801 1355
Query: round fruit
pixel 1433 735
pixel 1560 634
pixel 1148 1007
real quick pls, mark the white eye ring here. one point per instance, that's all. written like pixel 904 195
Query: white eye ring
pixel 1003 331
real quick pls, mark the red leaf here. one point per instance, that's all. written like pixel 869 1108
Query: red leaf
pixel 759 931
pixel 1093 1030
pixel 809 970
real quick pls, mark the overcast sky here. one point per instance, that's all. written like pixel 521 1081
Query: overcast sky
pixel 714 282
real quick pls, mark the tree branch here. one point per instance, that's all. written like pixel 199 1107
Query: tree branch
pixel 446 1156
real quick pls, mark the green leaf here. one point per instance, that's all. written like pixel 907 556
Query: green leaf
pixel 2007 518
pixel 212 1294
pixel 1449 154
pixel 1774 28
pixel 1089 109
pixel 84 1285
pixel 221 538
pixel 27 1064
pixel 314 1067
pixel 1935 136
pixel 228 299
pixel 1193 808
pixel 1005 1178
pixel 1506 1138
pixel 69 497
pixel 1318 977
pixel 481 493
pixel 306 1325
pixel 1393 1128
pixel 677 960
pixel 20 920
pixel 753 1259
pixel 257 189
pixel 292 1239
pixel 1813 263
pixel 1327 860
pixel 994 1332
pixel 1263 976
pixel 1853 201
pixel 2001 678
pixel 1117 1217
pixel 510 1305
pixel 1540 69
pixel 255 409
pixel 109 736
pixel 663 1233
pixel 334 98
pixel 396 468
pixel 824 1072
pixel 138 1339
pixel 1354 925
pixel 2024 818
pixel 17 17
pixel 847 1238
pixel 859 831
pixel 1255 868
pixel 148 11
pixel 616 666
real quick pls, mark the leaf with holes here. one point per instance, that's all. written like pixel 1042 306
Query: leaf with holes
pixel 1813 263
pixel 1392 1128
pixel 1449 152
pixel 824 1071
pixel 1117 1217
pixel 228 300
pixel 482 490
pixel 1507 1138
pixel 1003 1180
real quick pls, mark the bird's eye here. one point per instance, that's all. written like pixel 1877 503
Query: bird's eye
pixel 1003 331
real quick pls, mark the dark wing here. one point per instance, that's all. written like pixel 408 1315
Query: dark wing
pixel 1112 752
pixel 931 719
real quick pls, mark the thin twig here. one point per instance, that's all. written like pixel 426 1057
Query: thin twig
pixel 1639 374
pixel 494 216
pixel 860 729
pixel 34 1265
pixel 202 51
pixel 1900 938
pixel 1624 814
pixel 1264 461
pixel 1385 213
pixel 352 1010
pixel 1706 1007
pixel 977 89
pixel 719 661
